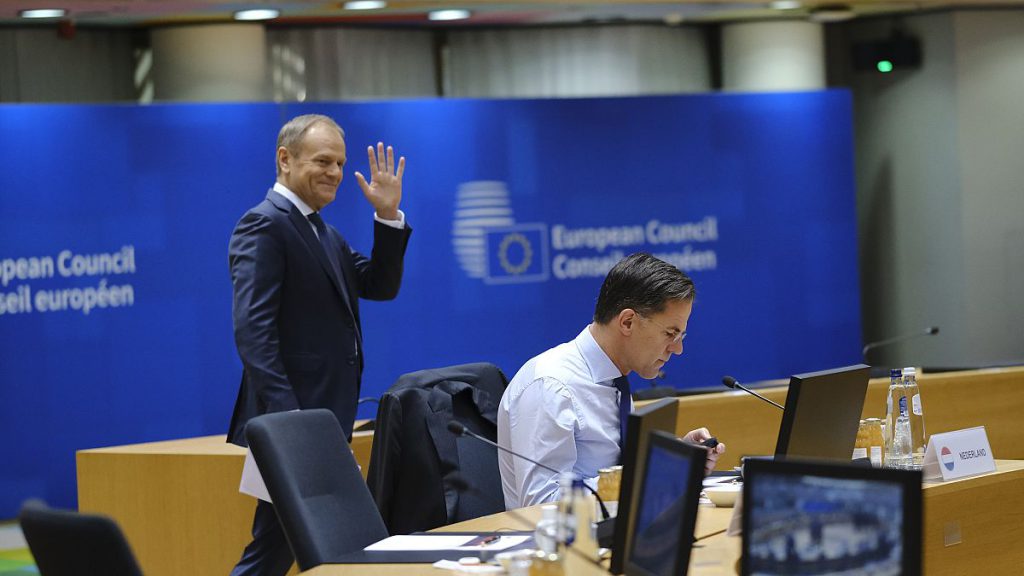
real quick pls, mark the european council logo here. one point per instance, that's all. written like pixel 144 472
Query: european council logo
pixel 488 243
pixel 517 254
pixel 478 206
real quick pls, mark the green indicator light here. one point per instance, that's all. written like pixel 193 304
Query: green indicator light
pixel 884 66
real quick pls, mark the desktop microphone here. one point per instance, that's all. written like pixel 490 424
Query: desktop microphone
pixel 731 382
pixel 459 429
pixel 931 331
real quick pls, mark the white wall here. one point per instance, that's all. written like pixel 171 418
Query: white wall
pixel 576 61
pixel 37 65
pixel 990 116
pixel 774 56
pixel 210 63
pixel 331 63
pixel 940 201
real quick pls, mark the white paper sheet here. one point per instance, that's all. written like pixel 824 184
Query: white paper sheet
pixel 252 481
pixel 736 521
pixel 717 480
pixel 419 542
pixel 468 568
pixel 461 542
pixel 503 543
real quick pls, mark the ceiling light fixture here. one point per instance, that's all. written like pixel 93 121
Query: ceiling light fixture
pixel 829 13
pixel 43 13
pixel 257 14
pixel 364 5
pixel 785 5
pixel 439 15
pixel 673 19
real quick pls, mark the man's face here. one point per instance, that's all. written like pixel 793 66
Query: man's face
pixel 656 338
pixel 315 172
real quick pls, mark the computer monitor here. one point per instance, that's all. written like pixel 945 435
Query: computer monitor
pixel 822 414
pixel 803 517
pixel 659 415
pixel 666 509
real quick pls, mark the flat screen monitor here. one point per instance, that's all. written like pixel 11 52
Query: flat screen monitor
pixel 802 517
pixel 659 415
pixel 666 509
pixel 822 414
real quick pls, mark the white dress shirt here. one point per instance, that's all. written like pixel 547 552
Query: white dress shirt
pixel 306 210
pixel 561 409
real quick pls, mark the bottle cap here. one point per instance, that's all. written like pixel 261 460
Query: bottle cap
pixel 895 373
pixel 910 371
pixel 549 512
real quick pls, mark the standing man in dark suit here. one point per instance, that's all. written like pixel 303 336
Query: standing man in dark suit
pixel 297 286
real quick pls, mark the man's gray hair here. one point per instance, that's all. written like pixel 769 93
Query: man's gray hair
pixel 294 131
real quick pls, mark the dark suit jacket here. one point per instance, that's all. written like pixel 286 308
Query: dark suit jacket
pixel 296 322
pixel 415 458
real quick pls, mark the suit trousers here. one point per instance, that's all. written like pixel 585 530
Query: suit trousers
pixel 268 554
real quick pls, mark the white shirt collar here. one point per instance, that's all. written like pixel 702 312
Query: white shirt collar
pixel 602 369
pixel 293 198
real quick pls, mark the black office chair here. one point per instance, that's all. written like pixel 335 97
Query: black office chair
pixel 311 475
pixel 67 543
pixel 420 474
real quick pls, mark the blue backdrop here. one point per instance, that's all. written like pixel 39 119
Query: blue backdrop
pixel 115 298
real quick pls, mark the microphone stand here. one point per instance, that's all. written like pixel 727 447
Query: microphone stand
pixel 730 382
pixel 931 331
pixel 459 429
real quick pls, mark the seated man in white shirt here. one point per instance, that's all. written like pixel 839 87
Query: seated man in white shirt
pixel 566 408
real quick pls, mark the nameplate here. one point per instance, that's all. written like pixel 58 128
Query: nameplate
pixel 953 455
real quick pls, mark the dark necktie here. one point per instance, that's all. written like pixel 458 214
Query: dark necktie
pixel 321 228
pixel 622 385
pixel 321 232
pixel 325 242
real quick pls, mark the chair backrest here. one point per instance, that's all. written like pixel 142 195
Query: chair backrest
pixel 67 543
pixel 421 475
pixel 320 498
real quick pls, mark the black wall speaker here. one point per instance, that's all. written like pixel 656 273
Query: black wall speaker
pixel 896 53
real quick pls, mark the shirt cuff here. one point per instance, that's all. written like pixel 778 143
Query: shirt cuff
pixel 400 223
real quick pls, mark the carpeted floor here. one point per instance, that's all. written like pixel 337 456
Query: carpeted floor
pixel 15 559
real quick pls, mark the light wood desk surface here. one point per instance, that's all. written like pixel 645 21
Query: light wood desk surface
pixel 705 560
pixel 985 513
pixel 976 525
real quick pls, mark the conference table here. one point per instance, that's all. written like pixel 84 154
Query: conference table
pixel 178 502
pixel 972 525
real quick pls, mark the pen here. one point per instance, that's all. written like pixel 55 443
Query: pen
pixel 489 539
